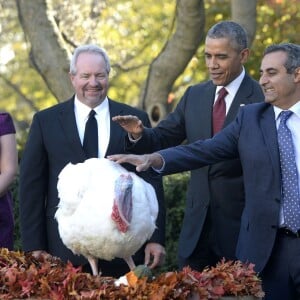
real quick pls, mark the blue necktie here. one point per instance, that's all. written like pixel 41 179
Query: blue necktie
pixel 290 185
pixel 90 140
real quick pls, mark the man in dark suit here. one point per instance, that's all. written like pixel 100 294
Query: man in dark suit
pixel 266 138
pixel 55 139
pixel 215 196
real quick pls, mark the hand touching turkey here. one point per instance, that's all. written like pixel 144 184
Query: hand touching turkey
pixel 142 162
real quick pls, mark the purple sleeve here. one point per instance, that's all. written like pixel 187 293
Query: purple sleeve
pixel 6 124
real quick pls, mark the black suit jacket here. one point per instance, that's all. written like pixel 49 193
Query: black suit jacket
pixel 52 143
pixel 219 186
pixel 252 137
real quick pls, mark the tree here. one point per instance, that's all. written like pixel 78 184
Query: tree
pixel 174 57
pixel 48 52
pixel 138 36
pixel 244 13
pixel 42 31
pixel 22 91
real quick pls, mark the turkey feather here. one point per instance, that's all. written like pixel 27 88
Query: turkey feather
pixel 88 192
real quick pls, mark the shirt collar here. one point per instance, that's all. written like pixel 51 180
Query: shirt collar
pixel 295 109
pixel 84 110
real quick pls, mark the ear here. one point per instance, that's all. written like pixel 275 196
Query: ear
pixel 71 76
pixel 244 55
pixel 297 74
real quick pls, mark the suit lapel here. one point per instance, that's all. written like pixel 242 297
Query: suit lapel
pixel 241 98
pixel 269 131
pixel 116 131
pixel 69 127
pixel 203 111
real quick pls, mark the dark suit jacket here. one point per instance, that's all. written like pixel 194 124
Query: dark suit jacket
pixel 253 138
pixel 52 143
pixel 221 185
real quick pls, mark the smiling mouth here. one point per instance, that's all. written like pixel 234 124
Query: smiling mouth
pixel 93 91
pixel 268 90
pixel 216 75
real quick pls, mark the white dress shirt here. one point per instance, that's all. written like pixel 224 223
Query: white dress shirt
pixel 293 123
pixel 232 89
pixel 103 120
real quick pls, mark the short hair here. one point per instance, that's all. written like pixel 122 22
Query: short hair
pixel 232 31
pixel 88 49
pixel 292 52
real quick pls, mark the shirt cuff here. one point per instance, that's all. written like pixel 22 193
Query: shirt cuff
pixel 132 140
pixel 163 166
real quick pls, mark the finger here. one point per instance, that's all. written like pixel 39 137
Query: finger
pixel 115 118
pixel 125 158
pixel 155 261
pixel 142 167
pixel 147 257
pixel 124 118
pixel 114 157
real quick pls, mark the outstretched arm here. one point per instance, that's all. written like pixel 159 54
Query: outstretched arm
pixel 142 162
pixel 132 124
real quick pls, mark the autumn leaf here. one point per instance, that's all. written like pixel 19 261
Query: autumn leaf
pixel 23 276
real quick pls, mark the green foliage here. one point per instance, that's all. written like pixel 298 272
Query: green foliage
pixel 22 90
pixel 277 22
pixel 175 193
pixel 132 32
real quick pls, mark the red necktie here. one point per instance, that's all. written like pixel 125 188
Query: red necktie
pixel 219 111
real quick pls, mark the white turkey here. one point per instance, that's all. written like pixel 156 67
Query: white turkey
pixel 104 211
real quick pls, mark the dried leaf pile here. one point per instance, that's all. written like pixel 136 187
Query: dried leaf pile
pixel 231 278
pixel 22 277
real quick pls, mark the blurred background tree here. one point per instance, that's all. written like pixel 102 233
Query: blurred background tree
pixel 141 39
pixel 156 50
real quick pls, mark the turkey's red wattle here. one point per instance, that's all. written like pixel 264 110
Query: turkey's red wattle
pixel 122 207
pixel 115 215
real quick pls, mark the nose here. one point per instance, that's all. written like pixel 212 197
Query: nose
pixel 93 81
pixel 212 63
pixel 263 79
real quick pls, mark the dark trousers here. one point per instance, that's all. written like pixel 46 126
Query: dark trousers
pixel 204 254
pixel 281 276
